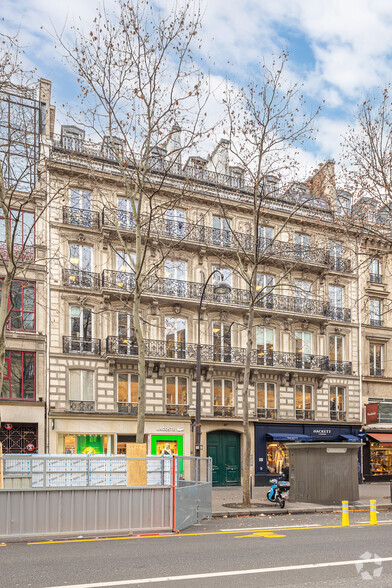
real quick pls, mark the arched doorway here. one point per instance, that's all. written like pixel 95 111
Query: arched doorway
pixel 225 449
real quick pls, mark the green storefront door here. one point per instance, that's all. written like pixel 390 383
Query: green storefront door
pixel 224 448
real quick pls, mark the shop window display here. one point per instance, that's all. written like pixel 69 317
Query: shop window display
pixel 87 444
pixel 277 458
pixel 380 460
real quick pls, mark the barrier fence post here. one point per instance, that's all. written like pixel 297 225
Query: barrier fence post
pixel 1 466
pixel 345 519
pixel 373 512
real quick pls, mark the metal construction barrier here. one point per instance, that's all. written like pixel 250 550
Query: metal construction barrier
pixel 49 495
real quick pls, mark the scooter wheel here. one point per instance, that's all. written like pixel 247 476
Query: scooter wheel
pixel 269 495
pixel 282 502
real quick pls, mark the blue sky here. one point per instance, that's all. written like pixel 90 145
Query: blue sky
pixel 340 49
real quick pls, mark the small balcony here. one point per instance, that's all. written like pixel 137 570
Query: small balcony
pixel 376 322
pixel 112 280
pixel 376 371
pixel 81 345
pixel 338 264
pixel 291 360
pixel 75 278
pixel 80 217
pixel 340 314
pixel 127 407
pixel 177 409
pixel 337 415
pixel 375 278
pixel 22 253
pixel 304 414
pixel 266 413
pixel 81 405
pixel 341 367
pixel 224 411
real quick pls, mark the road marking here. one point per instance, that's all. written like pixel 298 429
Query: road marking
pixel 312 566
pixel 178 535
pixel 3 545
pixel 269 534
pixel 245 529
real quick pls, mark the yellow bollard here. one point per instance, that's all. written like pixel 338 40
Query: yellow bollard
pixel 373 512
pixel 345 519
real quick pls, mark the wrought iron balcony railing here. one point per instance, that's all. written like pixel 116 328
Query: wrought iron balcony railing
pixel 216 354
pixel 266 413
pixel 223 411
pixel 339 264
pixel 81 405
pixel 337 415
pixel 81 345
pixel 127 407
pixel 118 280
pixel 376 371
pixel 293 252
pixel 81 279
pixel 22 253
pixel 341 367
pixel 304 414
pixel 340 314
pixel 376 322
pixel 375 278
pixel 177 409
pixel 80 217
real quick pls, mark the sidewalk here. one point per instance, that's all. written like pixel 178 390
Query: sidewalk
pixel 222 496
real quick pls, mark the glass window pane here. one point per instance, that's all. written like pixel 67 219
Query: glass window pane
pixel 16 375
pixel 134 388
pixel 182 389
pixel 270 396
pixel 217 392
pixel 171 390
pixel 74 385
pixel 28 297
pixel 122 387
pixel 228 400
pixel 28 375
pixel 308 397
pixel 88 392
pixel 299 404
pixel 260 396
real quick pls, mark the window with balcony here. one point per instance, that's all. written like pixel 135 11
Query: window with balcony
pixel 175 223
pixel 175 337
pixel 125 274
pixel 336 353
pixel 176 395
pixel 336 294
pixel 265 238
pixel 22 316
pixel 80 212
pixel 303 296
pixel 375 312
pixel 266 400
pixel 337 403
pixel 376 352
pixel 19 376
pixel 302 247
pixel 72 138
pixel 265 345
pixel 336 255
pixel 80 264
pixel 127 393
pixel 265 288
pixel 81 331
pixel 375 273
pixel 221 340
pixel 223 398
pixel 23 235
pixel 125 216
pixel 176 273
pixel 81 390
pixel 221 231
pixel 127 342
pixel 303 350
pixel 304 402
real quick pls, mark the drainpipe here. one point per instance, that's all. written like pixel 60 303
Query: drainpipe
pixel 48 306
pixel 359 290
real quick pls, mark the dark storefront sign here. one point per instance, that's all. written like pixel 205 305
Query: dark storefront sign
pixel 19 437
pixel 372 413
pixel 271 454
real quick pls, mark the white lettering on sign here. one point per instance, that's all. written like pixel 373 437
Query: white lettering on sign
pixel 322 431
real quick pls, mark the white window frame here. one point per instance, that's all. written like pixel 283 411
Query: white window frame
pixel 82 375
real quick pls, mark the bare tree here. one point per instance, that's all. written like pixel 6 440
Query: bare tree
pixel 139 87
pixel 267 122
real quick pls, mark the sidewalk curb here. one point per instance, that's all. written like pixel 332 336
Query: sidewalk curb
pixel 292 511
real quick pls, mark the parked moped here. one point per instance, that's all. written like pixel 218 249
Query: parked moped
pixel 279 492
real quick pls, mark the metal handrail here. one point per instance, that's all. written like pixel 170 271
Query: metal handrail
pixel 81 279
pixel 81 345
pixel 81 217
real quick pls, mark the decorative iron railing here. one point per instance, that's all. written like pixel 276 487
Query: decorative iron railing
pixel 225 411
pixel 216 354
pixel 118 280
pixel 177 409
pixel 376 322
pixel 375 278
pixel 22 253
pixel 340 314
pixel 81 405
pixel 127 407
pixel 304 414
pixel 81 345
pixel 80 217
pixel 339 264
pixel 337 415
pixel 266 413
pixel 341 367
pixel 376 371
pixel 81 279
pixel 292 252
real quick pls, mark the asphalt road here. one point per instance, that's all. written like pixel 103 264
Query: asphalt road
pixel 312 550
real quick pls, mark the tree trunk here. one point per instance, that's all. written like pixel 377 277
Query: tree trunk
pixel 141 407
pixel 245 408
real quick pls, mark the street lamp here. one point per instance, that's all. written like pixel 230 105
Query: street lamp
pixel 221 288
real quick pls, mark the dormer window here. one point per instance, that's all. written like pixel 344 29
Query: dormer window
pixel 72 138
pixel 157 157
pixel 113 147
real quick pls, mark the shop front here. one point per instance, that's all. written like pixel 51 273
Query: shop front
pixel 377 456
pixel 272 442
pixel 19 437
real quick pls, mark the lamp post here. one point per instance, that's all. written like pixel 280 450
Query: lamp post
pixel 221 288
